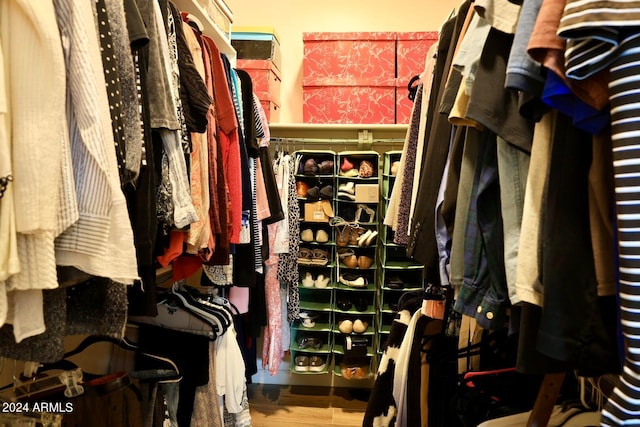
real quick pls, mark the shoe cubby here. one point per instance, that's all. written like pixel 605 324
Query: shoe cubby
pixel 389 173
pixel 316 313
pixel 310 363
pixel 353 367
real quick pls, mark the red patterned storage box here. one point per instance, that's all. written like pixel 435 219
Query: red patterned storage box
pixel 346 58
pixel 411 52
pixel 366 103
pixel 265 77
pixel 272 110
pixel 349 77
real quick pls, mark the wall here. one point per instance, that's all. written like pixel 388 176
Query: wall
pixel 291 18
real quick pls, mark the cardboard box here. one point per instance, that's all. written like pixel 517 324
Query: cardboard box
pixel 257 43
pixel 320 211
pixel 366 103
pixel 265 76
pixel 411 52
pixel 345 58
pixel 367 193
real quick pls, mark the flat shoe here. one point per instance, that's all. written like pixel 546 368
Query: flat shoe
pixel 320 257
pixel 326 192
pixel 305 256
pixel 307 282
pixel 364 262
pixel 363 238
pixel 346 196
pixel 348 187
pixel 313 194
pixel 351 173
pixel 359 326
pixel 343 304
pixel 343 236
pixel 322 236
pixel 325 167
pixel 361 304
pixel 370 239
pixel 346 326
pixel 310 167
pixel 306 235
pixel 322 281
pixel 302 188
pixel 346 165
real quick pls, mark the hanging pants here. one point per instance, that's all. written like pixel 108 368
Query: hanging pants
pixel 623 406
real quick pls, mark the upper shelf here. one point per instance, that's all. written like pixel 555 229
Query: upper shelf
pixel 221 40
pixel 338 131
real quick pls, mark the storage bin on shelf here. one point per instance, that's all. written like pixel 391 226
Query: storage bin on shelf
pixel 349 77
pixel 257 43
pixel 220 13
pixel 266 80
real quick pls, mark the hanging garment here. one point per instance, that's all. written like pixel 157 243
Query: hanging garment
pixel 288 273
pixel 230 368
pixel 112 78
pixel 421 243
pixel 199 233
pixel 107 250
pixel 206 413
pixel 381 407
pixel 9 262
pixel 42 188
pixel 272 351
pixel 127 86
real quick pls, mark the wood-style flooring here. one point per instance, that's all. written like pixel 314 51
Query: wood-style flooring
pixel 304 406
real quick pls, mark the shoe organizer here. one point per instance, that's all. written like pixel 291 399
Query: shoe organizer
pixel 390 172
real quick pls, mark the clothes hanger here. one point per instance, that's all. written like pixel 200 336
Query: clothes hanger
pixel 413 89
pixel 219 305
pixel 170 373
pixel 205 311
pixel 172 315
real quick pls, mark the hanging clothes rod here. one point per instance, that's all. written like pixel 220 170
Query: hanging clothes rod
pixel 330 140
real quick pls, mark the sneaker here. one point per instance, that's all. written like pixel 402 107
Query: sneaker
pixel 317 364
pixel 301 364
pixel 311 343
